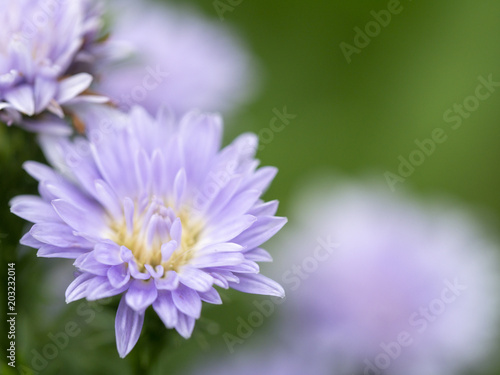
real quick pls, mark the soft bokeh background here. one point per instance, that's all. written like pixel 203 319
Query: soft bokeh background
pixel 352 118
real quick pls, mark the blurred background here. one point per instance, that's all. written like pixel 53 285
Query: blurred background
pixel 352 110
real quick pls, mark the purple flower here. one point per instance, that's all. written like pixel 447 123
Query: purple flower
pixel 381 285
pixel 41 45
pixel 154 210
pixel 179 59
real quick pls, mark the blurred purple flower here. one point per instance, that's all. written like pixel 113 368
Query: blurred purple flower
pixel 154 210
pixel 410 289
pixel 178 59
pixel 41 45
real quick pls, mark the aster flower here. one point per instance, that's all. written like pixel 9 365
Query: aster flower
pixel 178 59
pixel 406 291
pixel 155 211
pixel 41 44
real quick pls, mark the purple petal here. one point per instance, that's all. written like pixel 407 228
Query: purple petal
pixel 222 278
pixel 211 296
pixel 141 294
pixel 58 234
pixel 155 272
pixel 21 55
pixel 167 249
pixel 40 171
pixel 128 210
pixel 176 231
pixel 108 198
pixel 22 99
pixel 72 86
pixel 44 92
pixel 217 260
pixel 55 109
pixel 29 240
pixel 47 126
pixel 222 274
pixel 118 275
pixel 78 288
pixel 142 170
pixel 108 253
pixel 185 325
pixel 247 266
pixel 165 308
pixel 158 168
pixel 88 263
pixel 68 192
pixel 201 135
pixel 187 301
pixel 82 221
pixel 179 186
pixel 94 99
pixel 220 281
pixel 195 279
pixel 63 60
pixel 265 209
pixel 225 193
pixel 263 229
pixel 128 326
pixel 33 209
pixel 258 255
pixel 136 274
pixel 258 284
pixel 100 288
pixel 226 247
pixel 128 257
pixel 261 179
pixel 237 206
pixel 169 282
pixel 246 144
pixel 226 231
pixel 50 251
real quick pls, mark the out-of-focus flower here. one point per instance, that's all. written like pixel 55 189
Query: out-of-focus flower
pixel 43 45
pixel 180 60
pixel 156 211
pixel 382 285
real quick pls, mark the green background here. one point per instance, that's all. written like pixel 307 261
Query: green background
pixel 352 118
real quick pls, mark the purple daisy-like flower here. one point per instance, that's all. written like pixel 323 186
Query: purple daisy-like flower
pixel 178 59
pixel 155 210
pixel 380 284
pixel 41 44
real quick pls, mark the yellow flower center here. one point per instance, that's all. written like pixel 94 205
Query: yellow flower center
pixel 147 231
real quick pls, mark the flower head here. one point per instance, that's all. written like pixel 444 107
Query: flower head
pixel 179 59
pixel 156 211
pixel 42 44
pixel 392 287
